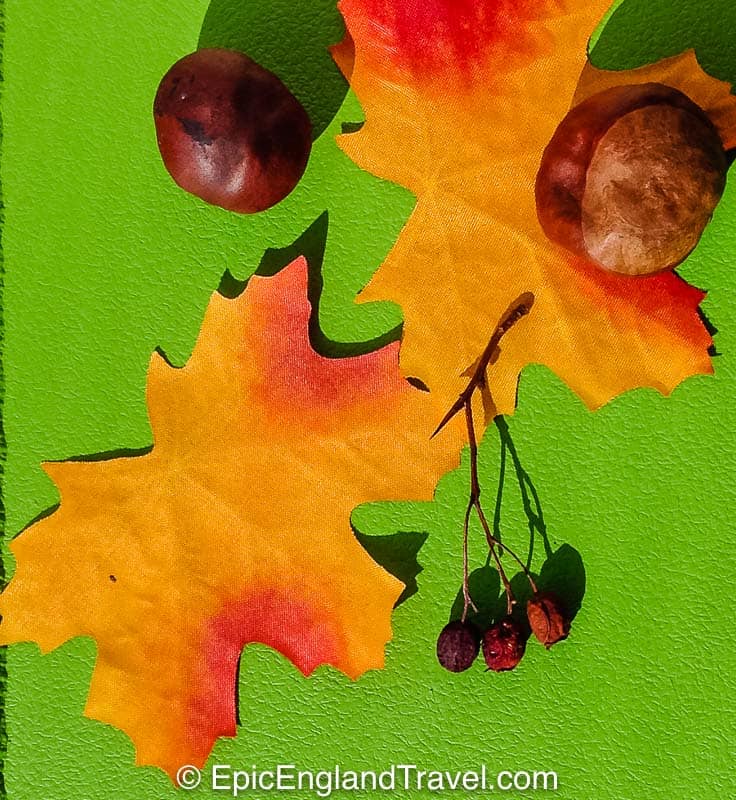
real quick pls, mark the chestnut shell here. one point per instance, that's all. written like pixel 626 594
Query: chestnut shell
pixel 631 178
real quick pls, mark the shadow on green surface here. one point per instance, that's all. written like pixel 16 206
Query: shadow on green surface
pixel 672 26
pixel 47 512
pixel 311 244
pixel 484 586
pixel 529 494
pixel 122 452
pixel 291 39
pixel 562 571
pixel 397 554
pixel 712 331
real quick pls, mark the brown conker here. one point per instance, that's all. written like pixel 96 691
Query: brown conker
pixel 631 178
pixel 230 132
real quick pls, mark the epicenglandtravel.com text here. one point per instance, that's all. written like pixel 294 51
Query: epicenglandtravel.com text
pixel 323 783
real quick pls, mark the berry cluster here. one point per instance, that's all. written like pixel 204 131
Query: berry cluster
pixel 504 642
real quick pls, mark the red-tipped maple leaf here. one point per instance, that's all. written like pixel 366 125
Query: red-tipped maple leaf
pixel 461 98
pixel 235 528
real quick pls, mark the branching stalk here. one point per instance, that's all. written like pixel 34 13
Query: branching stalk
pixel 516 311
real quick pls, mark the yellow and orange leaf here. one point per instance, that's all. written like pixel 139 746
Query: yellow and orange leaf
pixel 461 98
pixel 682 72
pixel 235 528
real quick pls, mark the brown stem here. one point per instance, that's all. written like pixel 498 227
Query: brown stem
pixel 475 503
pixel 523 566
pixel 467 600
pixel 518 309
pixel 473 442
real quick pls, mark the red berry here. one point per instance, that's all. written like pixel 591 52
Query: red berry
pixel 230 132
pixel 547 618
pixel 458 645
pixel 504 644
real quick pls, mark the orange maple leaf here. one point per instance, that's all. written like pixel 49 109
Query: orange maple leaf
pixel 235 528
pixel 461 98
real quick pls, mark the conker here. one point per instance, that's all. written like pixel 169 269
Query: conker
pixel 631 178
pixel 230 132
pixel 504 644
pixel 458 645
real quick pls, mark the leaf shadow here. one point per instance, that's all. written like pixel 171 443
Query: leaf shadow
pixel 109 455
pixel 311 244
pixel 397 554
pixel 712 331
pixel 42 515
pixel 291 39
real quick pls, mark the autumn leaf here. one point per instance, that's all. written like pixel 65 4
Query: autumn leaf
pixel 234 528
pixel 682 72
pixel 461 98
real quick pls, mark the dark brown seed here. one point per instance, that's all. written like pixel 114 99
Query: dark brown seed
pixel 230 132
pixel 631 178
pixel 458 645
pixel 548 618
pixel 504 644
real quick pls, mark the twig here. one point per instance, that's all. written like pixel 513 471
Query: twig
pixel 475 503
pixel 467 600
pixel 518 309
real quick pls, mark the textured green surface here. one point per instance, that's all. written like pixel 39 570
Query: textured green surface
pixel 107 260
pixel 3 452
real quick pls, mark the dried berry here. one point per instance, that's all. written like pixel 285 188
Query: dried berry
pixel 631 178
pixel 230 132
pixel 504 644
pixel 548 618
pixel 458 646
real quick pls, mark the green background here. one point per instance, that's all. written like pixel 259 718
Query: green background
pixel 106 260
